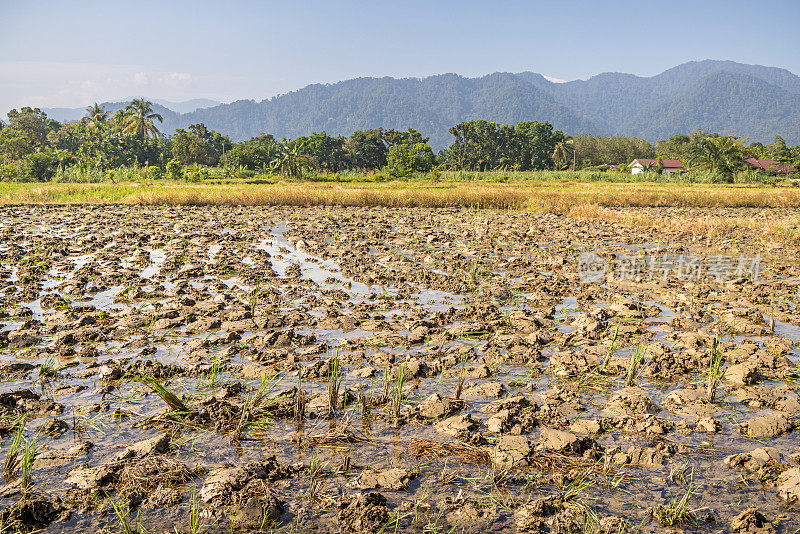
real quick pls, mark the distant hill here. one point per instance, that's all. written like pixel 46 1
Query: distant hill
pixel 189 105
pixel 160 106
pixel 750 100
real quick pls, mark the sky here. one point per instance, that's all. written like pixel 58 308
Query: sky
pixel 70 54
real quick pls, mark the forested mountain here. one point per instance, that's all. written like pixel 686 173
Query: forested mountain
pixel 188 106
pixel 750 100
pixel 73 114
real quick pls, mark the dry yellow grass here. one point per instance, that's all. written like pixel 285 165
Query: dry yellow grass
pixel 767 229
pixel 315 194
pixel 586 200
pixel 538 196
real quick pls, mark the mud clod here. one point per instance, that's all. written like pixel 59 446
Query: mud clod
pixel 362 514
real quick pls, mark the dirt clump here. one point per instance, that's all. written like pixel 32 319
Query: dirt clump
pixel 751 521
pixel 362 514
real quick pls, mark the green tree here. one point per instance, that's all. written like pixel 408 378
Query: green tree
pixel 594 150
pixel 537 141
pixel 405 158
pixel 392 137
pixel 723 154
pixel 328 153
pixel 367 149
pixel 34 123
pixel 14 145
pixel 254 154
pixel 564 152
pixel 199 145
pixel 96 116
pixel 778 150
pixel 140 119
pixel 482 145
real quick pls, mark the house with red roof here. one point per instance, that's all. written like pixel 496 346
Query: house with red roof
pixel 770 166
pixel 668 166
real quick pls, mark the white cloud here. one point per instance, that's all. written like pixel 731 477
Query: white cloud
pixel 140 78
pixel 65 84
pixel 554 80
pixel 177 76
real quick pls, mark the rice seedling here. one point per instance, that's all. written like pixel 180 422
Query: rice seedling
pixel 122 512
pixel 387 382
pixel 253 408
pixel 195 524
pixel 299 402
pixel 12 462
pixel 315 470
pixel 462 373
pixel 610 349
pixel 254 297
pixel 49 369
pixel 714 370
pixel 81 424
pixel 637 358
pixel 26 462
pixel 397 391
pixel 772 312
pixel 681 474
pixel 335 376
pixel 474 272
pixel 214 381
pixel 172 401
pixel 676 513
pixel 576 491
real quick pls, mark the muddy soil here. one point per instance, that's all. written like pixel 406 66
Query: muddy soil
pixel 230 369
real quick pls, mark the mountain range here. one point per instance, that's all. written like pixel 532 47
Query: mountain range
pixel 160 106
pixel 723 96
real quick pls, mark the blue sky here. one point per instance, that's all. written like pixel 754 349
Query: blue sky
pixel 58 53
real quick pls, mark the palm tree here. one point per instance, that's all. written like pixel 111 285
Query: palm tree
pixel 96 115
pixel 723 154
pixel 564 151
pixel 140 120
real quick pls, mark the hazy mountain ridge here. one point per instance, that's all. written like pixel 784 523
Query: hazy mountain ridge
pixel 750 100
pixel 163 107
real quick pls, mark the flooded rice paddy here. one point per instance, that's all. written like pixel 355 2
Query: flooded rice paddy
pixel 224 369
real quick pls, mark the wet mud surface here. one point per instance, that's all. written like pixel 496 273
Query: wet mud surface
pixel 223 369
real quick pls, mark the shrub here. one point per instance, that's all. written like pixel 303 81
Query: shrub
pixel 39 166
pixel 9 172
pixel 197 174
pixel 75 173
pixel 155 172
pixel 175 169
pixel 752 177
pixel 707 177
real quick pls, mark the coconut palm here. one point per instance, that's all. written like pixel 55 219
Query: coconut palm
pixel 564 151
pixel 96 116
pixel 140 120
pixel 723 154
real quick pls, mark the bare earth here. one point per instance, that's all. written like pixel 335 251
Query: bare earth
pixel 337 369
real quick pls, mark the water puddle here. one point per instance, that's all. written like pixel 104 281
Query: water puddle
pixel 157 258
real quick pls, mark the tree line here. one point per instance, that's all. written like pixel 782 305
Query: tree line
pixel 34 147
